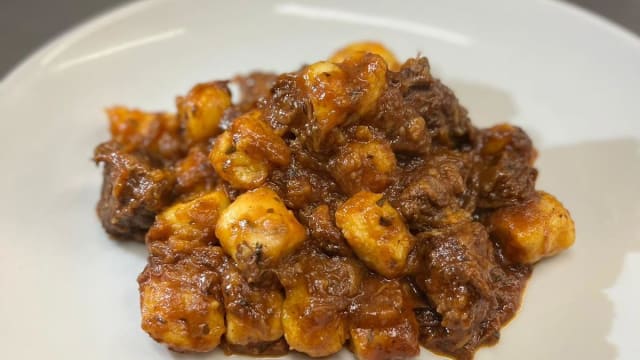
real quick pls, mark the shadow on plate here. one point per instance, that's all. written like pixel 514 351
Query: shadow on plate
pixel 137 248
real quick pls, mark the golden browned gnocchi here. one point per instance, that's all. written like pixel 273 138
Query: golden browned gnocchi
pixel 202 109
pixel 186 226
pixel 350 203
pixel 318 292
pixel 245 154
pixel 376 232
pixel 181 302
pixel 341 93
pixel 382 326
pixel 366 47
pixel 311 330
pixel 253 314
pixel 155 135
pixel 257 228
pixel 368 164
pixel 533 230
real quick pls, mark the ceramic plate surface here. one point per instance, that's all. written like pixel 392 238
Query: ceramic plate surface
pixel 570 79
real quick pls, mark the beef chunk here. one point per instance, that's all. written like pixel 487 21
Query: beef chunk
pixel 323 232
pixel 446 119
pixel 253 87
pixel 505 172
pixel 470 293
pixel 133 192
pixel 435 194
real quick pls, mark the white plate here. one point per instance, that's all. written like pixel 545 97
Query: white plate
pixel 570 79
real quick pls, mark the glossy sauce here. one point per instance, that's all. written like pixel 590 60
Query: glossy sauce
pixel 318 139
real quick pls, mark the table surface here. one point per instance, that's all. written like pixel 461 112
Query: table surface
pixel 23 29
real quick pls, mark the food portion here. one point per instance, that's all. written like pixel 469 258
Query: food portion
pixel 351 203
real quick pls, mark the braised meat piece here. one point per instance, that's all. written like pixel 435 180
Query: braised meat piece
pixel 506 174
pixel 434 193
pixel 133 191
pixel 470 292
pixel 253 87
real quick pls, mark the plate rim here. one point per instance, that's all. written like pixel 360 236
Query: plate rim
pixel 86 26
